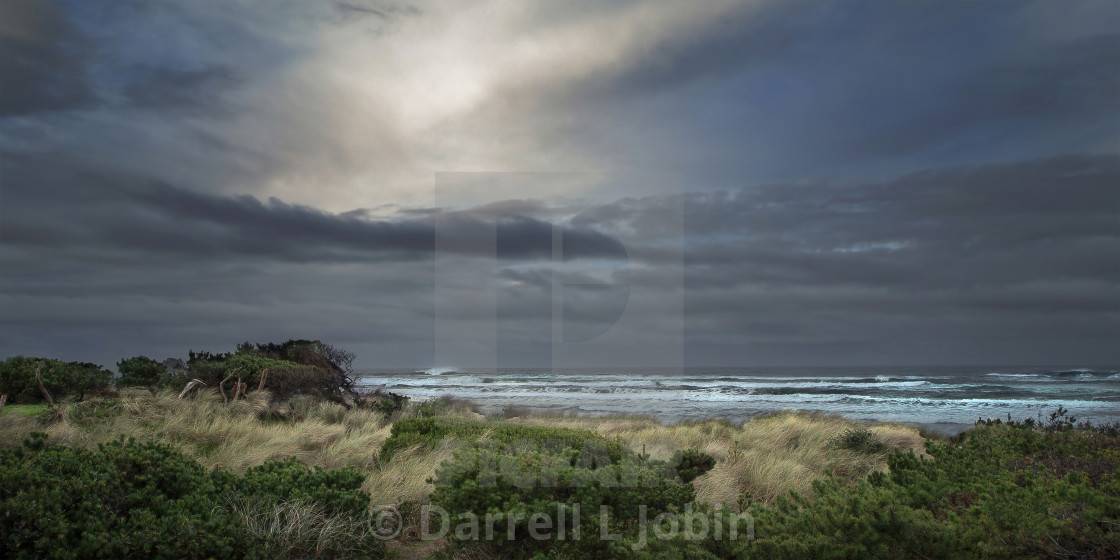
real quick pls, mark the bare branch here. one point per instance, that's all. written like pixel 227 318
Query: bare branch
pixel 264 375
pixel 191 385
pixel 39 366
pixel 222 388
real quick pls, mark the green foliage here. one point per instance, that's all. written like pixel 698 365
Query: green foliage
pixel 385 402
pixel 92 409
pixel 506 473
pixel 443 406
pixel 1030 489
pixel 140 371
pixel 294 368
pixel 147 500
pixel 17 378
pixel 857 439
pixel 507 486
pixel 997 491
pixel 389 403
pixel 86 378
pixel 691 463
pixel 429 431
pixel 336 490
pixel 306 352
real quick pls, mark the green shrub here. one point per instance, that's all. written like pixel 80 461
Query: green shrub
pixel 444 405
pixel 691 463
pixel 147 500
pixel 17 379
pixel 337 490
pixel 86 378
pixel 385 402
pixel 506 473
pixel 93 409
pixel 997 491
pixel 858 439
pixel 506 487
pixel 1031 489
pixel 141 371
pixel 429 431
pixel 296 367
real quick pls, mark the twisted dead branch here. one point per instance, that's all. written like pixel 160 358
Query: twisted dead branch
pixel 191 385
pixel 264 375
pixel 222 388
pixel 50 401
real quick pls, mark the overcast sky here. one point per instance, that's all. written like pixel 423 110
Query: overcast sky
pixel 568 183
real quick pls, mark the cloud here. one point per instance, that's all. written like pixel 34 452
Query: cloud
pixel 133 216
pixel 44 62
pixel 190 90
pixel 852 182
pixel 927 266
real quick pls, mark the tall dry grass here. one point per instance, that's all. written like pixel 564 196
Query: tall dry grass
pixel 296 530
pixel 235 435
pixel 764 457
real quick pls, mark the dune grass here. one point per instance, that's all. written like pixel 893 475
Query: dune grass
pixel 763 458
pixel 760 459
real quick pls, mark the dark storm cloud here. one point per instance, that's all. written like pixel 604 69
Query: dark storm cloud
pixel 1016 257
pixel 190 90
pixel 799 91
pixel 843 197
pixel 965 262
pixel 959 264
pixel 122 214
pixel 1074 79
pixel 43 60
pixel 975 225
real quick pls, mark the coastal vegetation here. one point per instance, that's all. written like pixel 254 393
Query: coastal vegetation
pixel 300 463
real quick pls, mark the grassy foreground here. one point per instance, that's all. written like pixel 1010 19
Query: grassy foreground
pixel 816 485
pixel 765 457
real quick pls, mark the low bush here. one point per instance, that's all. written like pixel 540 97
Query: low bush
pixel 510 492
pixel 858 439
pixel 385 402
pixel 295 367
pixel 427 432
pixel 691 463
pixel 92 409
pixel 445 405
pixel 60 379
pixel 1000 490
pixel 141 371
pixel 147 500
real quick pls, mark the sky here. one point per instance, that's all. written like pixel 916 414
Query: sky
pixel 514 184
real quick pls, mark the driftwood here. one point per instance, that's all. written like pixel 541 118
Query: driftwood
pixel 222 388
pixel 50 401
pixel 238 389
pixel 3 400
pixel 191 385
pixel 264 375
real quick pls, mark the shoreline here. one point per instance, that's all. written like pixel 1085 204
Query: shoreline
pixel 946 400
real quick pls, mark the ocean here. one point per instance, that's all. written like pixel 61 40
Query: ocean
pixel 944 399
